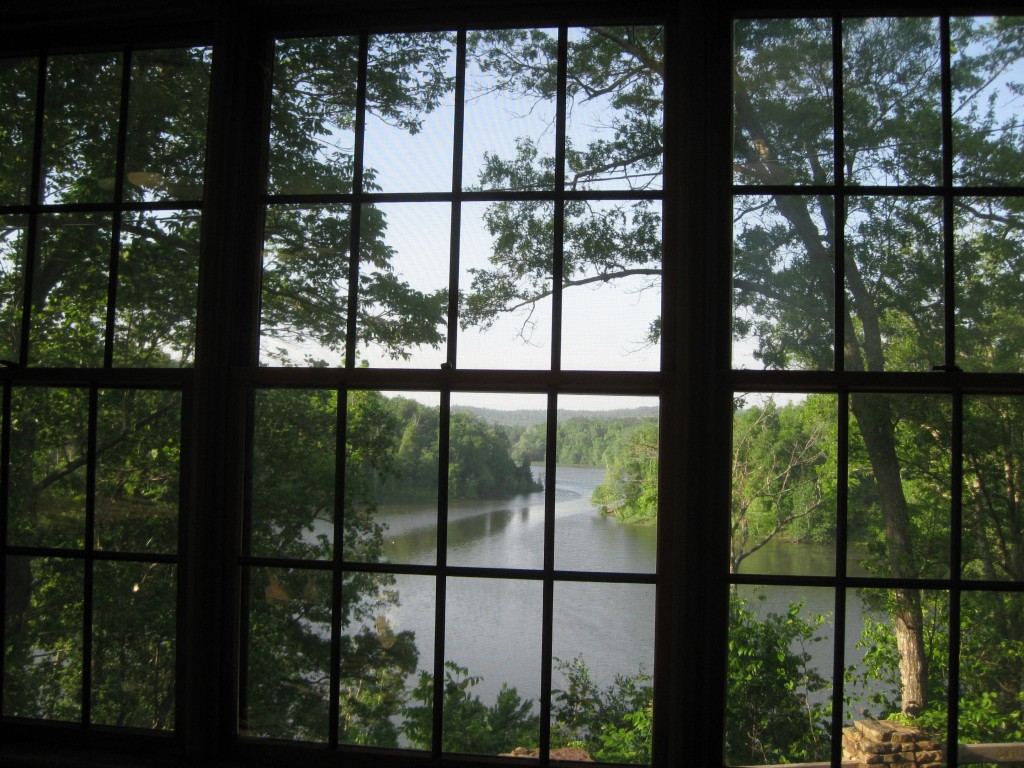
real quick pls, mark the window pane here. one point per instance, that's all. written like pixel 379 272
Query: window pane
pixel 134 648
pixel 17 130
pixel 509 133
pixel 286 683
pixel 403 284
pixel 783 283
pixel 778 694
pixel 391 473
pixel 988 69
pixel 83 97
pixel 783 511
pixel 991 683
pixel 606 484
pixel 43 638
pixel 899 446
pixel 602 694
pixel 294 474
pixel 505 285
pixel 312 124
pixel 167 124
pixel 495 480
pixel 411 112
pixel 894 280
pixel 783 101
pixel 138 464
pixel 897 653
pixel 47 487
pixel 305 285
pixel 492 668
pixel 69 290
pixel 990 283
pixel 13 245
pixel 993 468
pixel 388 636
pixel 614 110
pixel 157 286
pixel 611 286
pixel 892 106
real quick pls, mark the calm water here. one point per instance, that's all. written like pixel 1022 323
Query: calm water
pixel 493 627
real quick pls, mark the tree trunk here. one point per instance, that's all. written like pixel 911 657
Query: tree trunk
pixel 874 418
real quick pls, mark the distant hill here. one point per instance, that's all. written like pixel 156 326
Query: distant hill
pixel 526 418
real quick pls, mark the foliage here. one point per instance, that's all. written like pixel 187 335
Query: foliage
pixel 775 708
pixel 630 489
pixel 612 724
pixel 468 724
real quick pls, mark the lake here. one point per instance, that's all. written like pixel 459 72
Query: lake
pixel 493 626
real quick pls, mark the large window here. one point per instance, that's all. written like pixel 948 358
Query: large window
pixel 449 542
pixel 500 383
pixel 875 518
pixel 101 183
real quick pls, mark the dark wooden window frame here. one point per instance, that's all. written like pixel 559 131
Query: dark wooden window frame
pixel 695 385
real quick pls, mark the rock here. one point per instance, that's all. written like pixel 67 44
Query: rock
pixel 567 754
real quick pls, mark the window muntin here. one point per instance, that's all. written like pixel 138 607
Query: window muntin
pixel 925 269
pixel 428 489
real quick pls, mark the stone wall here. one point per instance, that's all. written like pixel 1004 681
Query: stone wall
pixel 880 742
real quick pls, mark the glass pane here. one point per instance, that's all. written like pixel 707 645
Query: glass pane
pixel 509 132
pixel 778 686
pixel 492 668
pixel 989 284
pixel 43 638
pixel 611 286
pixel 993 468
pixel 614 108
pixel 495 480
pixel 157 288
pixel 900 460
pixel 505 280
pixel 293 475
pixel 286 683
pixel 988 70
pixel 602 697
pixel 606 484
pixel 47 488
pixel 13 248
pixel 897 654
pixel 83 97
pixel 388 636
pixel 783 101
pixel 305 285
pixel 991 684
pixel 312 123
pixel 783 509
pixel 892 103
pixel 391 475
pixel 410 121
pixel 18 79
pixel 894 279
pixel 134 644
pixel 69 290
pixel 138 463
pixel 783 283
pixel 403 284
pixel 167 107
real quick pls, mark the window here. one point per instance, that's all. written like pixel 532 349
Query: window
pixel 876 276
pixel 376 382
pixel 102 186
